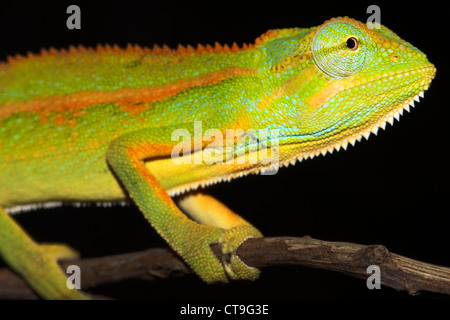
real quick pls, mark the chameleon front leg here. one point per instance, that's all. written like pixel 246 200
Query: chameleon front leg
pixel 190 239
pixel 36 263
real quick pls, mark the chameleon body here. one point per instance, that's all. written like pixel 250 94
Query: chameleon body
pixel 96 125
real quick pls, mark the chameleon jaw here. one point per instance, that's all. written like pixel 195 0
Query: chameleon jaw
pixel 364 133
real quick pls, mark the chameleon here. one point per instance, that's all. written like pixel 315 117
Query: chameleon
pixel 96 125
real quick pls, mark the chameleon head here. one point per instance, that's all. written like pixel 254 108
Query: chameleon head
pixel 353 80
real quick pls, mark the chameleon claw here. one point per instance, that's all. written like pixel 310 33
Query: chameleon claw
pixel 229 242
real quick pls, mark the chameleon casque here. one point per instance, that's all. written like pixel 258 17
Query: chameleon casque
pixel 95 125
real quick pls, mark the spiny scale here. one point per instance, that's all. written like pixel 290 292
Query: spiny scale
pixel 156 49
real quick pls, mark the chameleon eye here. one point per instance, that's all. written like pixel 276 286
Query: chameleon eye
pixel 352 43
pixel 341 48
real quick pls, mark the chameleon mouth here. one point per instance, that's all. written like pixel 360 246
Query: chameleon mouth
pixel 372 128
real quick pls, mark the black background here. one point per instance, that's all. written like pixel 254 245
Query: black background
pixel 390 190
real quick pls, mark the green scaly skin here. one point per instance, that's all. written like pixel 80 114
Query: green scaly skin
pixel 84 125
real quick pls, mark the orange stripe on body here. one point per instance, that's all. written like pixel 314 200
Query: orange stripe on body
pixel 124 97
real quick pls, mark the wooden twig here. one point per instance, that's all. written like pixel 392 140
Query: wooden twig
pixel 147 264
pixel 397 272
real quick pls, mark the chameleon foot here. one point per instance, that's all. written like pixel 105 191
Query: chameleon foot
pixel 36 263
pixel 230 241
pixel 46 277
pixel 197 253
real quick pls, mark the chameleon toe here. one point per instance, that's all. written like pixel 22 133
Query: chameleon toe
pixel 229 242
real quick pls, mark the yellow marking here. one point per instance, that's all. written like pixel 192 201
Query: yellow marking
pixel 289 87
pixel 326 93
pixel 207 210
pixel 300 80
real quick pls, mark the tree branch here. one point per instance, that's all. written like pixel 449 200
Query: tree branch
pixel 397 272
